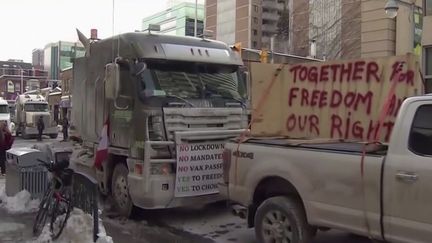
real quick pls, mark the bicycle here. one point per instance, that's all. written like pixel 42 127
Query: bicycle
pixel 57 200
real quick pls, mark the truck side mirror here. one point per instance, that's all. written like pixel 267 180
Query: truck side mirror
pixel 112 80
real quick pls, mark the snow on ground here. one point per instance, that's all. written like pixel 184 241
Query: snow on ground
pixel 78 229
pixel 20 203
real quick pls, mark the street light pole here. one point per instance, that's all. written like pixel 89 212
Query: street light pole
pixel 391 9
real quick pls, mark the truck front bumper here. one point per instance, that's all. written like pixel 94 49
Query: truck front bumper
pixel 34 131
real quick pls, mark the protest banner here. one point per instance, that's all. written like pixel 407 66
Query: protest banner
pixel 335 100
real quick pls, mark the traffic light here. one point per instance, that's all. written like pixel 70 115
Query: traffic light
pixel 264 56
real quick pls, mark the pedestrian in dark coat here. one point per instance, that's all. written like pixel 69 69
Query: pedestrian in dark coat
pixel 6 141
pixel 40 127
pixel 65 129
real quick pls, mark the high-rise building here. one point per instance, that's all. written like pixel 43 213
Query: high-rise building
pixel 172 3
pixel 38 59
pixel 178 20
pixel 60 55
pixel 254 23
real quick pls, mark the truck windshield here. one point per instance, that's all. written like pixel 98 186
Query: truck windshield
pixel 193 85
pixel 35 107
pixel 4 109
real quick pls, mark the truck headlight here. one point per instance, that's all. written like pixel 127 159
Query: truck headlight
pixel 161 168
pixel 155 128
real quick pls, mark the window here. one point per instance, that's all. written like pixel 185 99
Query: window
pixel 428 7
pixel 255 8
pixel 428 69
pixel 255 32
pixel 254 44
pixel 420 140
pixel 255 20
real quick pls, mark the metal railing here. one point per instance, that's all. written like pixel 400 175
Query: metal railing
pixel 85 197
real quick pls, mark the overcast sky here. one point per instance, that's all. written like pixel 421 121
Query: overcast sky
pixel 29 24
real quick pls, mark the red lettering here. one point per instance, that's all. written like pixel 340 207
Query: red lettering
pixel 295 69
pixel 410 78
pixel 372 71
pixel 358 70
pixel 313 74
pixel 303 73
pixel 292 95
pixel 323 99
pixel 324 73
pixel 392 105
pixel 349 99
pixel 336 126
pixel 334 68
pixel 358 130
pixel 336 99
pixel 315 96
pixel 346 70
pixel 396 68
pixel 365 100
pixel 314 121
pixel 291 123
pixel 372 130
pixel 305 96
pixel 302 122
pixel 348 125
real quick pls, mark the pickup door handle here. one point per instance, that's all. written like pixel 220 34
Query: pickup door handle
pixel 407 177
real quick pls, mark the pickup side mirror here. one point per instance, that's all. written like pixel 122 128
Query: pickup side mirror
pixel 112 81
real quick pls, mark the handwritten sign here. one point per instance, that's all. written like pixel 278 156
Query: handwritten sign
pixel 337 100
pixel 199 169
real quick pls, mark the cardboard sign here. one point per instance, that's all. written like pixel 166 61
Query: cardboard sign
pixel 337 100
pixel 199 169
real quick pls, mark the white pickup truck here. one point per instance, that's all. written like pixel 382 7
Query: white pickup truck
pixel 288 189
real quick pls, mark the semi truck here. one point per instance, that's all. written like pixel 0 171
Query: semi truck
pixel 5 115
pixel 168 105
pixel 29 108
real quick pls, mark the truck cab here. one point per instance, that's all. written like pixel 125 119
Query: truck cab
pixel 168 101
pixel 29 108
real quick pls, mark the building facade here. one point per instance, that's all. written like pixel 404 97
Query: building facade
pixel 178 20
pixel 427 44
pixel 255 23
pixel 60 55
pixel 66 96
pixel 19 77
pixel 38 59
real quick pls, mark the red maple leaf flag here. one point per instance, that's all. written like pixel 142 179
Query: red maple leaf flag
pixel 102 149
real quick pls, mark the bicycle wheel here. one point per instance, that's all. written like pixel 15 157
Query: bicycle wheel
pixel 61 211
pixel 43 212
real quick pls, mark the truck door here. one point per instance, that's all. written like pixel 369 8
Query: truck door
pixel 408 177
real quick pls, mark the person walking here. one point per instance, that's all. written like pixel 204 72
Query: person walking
pixel 6 141
pixel 65 128
pixel 40 127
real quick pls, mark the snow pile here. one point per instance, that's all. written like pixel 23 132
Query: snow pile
pixel 78 229
pixel 20 203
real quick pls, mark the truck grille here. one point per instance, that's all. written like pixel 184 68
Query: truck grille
pixel 189 119
pixel 46 120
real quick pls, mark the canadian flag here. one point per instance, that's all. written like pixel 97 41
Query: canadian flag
pixel 102 149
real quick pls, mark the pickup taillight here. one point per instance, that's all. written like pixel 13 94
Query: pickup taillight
pixel 226 158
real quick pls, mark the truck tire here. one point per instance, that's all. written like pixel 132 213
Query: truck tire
pixel 120 190
pixel 282 219
pixel 53 136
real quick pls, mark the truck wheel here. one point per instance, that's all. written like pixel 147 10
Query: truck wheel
pixel 282 219
pixel 53 136
pixel 120 190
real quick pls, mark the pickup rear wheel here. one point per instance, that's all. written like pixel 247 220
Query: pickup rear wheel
pixel 120 190
pixel 282 219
